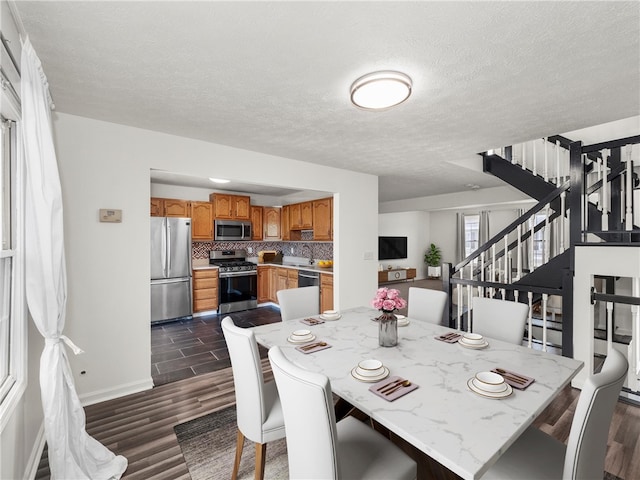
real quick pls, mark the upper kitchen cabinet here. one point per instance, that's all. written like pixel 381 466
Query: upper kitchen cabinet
pixel 169 207
pixel 201 221
pixel 256 222
pixel 272 223
pixel 285 223
pixel 176 208
pixel 301 216
pixel 323 219
pixel 231 207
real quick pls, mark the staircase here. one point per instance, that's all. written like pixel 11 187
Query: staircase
pixel 585 196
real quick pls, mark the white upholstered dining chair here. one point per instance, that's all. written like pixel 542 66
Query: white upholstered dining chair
pixel 299 302
pixel 500 319
pixel 426 304
pixel 320 448
pixel 538 455
pixel 258 409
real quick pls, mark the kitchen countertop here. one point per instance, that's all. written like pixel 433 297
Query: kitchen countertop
pixel 203 264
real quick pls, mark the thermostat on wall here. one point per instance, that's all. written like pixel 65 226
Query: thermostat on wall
pixel 110 215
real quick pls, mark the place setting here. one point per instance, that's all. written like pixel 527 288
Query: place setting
pixel 330 315
pixel 516 380
pixel 312 321
pixel 306 340
pixel 451 337
pixel 473 341
pixel 490 385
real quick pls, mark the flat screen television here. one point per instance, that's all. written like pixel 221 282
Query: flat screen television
pixel 390 248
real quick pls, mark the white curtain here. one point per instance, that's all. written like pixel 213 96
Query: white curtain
pixel 73 454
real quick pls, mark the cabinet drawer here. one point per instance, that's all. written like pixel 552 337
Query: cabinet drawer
pixel 205 293
pixel 200 283
pixel 206 304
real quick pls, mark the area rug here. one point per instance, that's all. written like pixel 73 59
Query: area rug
pixel 208 445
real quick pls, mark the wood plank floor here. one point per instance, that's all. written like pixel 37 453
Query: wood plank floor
pixel 140 426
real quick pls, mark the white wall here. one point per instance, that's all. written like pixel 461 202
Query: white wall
pixel 414 226
pixel 104 165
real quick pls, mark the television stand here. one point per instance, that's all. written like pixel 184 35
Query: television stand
pixel 396 275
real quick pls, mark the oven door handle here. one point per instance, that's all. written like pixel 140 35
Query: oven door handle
pixel 243 273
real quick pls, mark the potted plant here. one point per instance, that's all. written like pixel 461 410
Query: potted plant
pixel 432 258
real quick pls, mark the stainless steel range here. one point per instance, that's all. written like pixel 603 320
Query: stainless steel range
pixel 238 280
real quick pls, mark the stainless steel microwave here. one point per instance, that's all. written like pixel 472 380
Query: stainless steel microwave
pixel 231 230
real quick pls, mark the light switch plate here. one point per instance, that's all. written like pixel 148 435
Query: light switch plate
pixel 110 215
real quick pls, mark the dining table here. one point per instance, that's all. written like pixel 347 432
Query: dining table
pixel 464 431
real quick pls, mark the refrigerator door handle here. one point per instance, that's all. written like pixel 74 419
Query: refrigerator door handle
pixel 168 250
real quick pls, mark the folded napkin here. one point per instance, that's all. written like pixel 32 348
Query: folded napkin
pixel 450 337
pixel 516 380
pixel 312 321
pixel 317 346
pixel 389 383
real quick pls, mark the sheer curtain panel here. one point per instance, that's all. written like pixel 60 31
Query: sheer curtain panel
pixel 73 454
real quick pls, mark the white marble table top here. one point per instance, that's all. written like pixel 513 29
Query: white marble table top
pixel 463 431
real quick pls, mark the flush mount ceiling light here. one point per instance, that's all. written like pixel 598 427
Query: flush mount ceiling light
pixel 219 180
pixel 380 90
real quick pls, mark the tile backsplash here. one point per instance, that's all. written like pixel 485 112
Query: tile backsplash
pixel 319 250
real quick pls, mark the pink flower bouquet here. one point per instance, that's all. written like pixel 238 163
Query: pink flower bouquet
pixel 388 300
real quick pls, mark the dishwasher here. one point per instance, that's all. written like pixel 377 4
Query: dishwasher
pixel 307 278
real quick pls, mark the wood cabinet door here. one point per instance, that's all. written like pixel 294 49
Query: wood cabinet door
pixel 201 221
pixel 322 219
pixel 282 279
pixel 306 215
pixel 295 212
pixel 256 222
pixel 222 207
pixel 242 207
pixel 285 223
pixel 326 292
pixel 157 207
pixel 271 223
pixel 273 284
pixel 263 284
pixel 176 208
pixel 292 278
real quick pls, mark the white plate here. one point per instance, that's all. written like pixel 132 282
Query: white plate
pixel 327 319
pixel 475 346
pixel 479 387
pixel 308 339
pixel 403 323
pixel 484 393
pixel 377 378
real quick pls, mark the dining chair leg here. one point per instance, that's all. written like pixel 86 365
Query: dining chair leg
pixel 239 447
pixel 261 455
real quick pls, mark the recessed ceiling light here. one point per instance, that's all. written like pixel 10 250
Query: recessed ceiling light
pixel 219 180
pixel 381 90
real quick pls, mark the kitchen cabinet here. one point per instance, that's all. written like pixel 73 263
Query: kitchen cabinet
pixel 301 216
pixel 157 207
pixel 169 207
pixel 201 221
pixel 271 223
pixel 273 284
pixel 282 280
pixel 264 291
pixel 292 278
pixel 176 208
pixel 285 223
pixel 256 222
pixel 322 219
pixel 326 292
pixel 231 207
pixel 205 290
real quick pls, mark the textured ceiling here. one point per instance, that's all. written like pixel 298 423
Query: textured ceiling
pixel 274 77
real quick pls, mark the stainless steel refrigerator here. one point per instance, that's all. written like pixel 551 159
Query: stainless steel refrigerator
pixel 170 268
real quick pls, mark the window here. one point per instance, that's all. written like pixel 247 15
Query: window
pixel 12 311
pixel 471 234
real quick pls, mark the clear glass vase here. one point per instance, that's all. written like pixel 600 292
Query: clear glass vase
pixel 387 329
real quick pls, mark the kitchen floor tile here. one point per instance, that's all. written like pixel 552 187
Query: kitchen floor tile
pixel 187 348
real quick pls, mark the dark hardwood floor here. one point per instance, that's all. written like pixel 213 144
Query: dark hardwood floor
pixel 140 426
pixel 187 348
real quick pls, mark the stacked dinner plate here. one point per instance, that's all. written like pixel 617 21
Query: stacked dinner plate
pixel 489 384
pixel 402 320
pixel 473 340
pixel 301 336
pixel 330 315
pixel 370 370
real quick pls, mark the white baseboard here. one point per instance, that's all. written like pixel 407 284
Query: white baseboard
pixel 117 392
pixel 33 462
